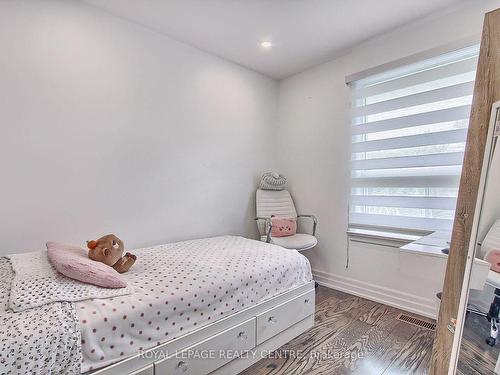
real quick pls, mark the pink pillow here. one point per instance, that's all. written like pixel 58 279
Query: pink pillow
pixel 72 261
pixel 283 227
pixel 493 257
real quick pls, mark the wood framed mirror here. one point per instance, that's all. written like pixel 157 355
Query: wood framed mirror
pixel 470 198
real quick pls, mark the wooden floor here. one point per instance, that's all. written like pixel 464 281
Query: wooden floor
pixel 352 335
pixel 476 357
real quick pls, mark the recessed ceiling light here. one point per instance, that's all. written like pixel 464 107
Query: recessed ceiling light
pixel 266 44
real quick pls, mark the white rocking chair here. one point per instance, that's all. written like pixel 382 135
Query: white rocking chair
pixel 280 204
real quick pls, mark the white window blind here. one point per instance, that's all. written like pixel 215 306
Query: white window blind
pixel 409 127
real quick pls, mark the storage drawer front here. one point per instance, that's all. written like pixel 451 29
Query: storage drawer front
pixel 148 370
pixel 219 349
pixel 283 316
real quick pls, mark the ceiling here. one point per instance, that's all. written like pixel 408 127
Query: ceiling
pixel 303 32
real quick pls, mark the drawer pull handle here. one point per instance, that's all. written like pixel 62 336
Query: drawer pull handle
pixel 182 366
pixel 242 335
pixel 272 319
pixel 306 300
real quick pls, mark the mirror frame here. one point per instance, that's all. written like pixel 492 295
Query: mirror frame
pixel 462 309
pixel 486 92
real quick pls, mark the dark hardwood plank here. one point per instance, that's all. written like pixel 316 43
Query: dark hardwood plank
pixel 330 357
pixel 379 315
pixel 352 335
pixel 359 337
pixel 471 357
pixel 413 355
pixel 423 368
pixel 476 357
pixel 378 361
pixel 362 347
pixel 466 371
pixel 323 341
pixel 476 330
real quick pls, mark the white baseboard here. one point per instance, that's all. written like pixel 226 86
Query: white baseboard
pixel 387 296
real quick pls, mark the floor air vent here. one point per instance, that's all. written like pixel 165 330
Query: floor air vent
pixel 417 322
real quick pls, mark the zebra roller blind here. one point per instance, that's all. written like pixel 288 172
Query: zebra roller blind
pixel 409 127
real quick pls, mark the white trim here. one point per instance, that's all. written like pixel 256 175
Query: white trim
pixel 464 296
pixel 387 296
pixel 394 243
pixel 425 250
pixel 424 55
pixel 393 236
pixel 497 366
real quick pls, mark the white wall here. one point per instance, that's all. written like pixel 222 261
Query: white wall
pixel 107 126
pixel 491 204
pixel 314 140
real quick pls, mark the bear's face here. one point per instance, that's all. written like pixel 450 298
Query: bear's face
pixel 107 249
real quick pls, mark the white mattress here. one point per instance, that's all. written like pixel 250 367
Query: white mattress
pixel 182 286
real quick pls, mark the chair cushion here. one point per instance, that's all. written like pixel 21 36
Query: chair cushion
pixel 299 241
pixel 493 258
pixel 493 279
pixel 283 226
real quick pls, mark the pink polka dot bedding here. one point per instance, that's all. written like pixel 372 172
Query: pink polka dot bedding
pixel 180 287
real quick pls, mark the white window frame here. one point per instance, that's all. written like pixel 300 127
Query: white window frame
pixel 397 232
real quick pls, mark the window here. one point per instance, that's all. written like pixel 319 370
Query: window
pixel 409 127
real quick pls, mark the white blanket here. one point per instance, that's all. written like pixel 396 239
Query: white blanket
pixel 37 283
pixel 42 340
pixel 182 286
pixel 179 287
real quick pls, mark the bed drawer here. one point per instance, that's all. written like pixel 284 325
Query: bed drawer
pixel 220 350
pixel 283 316
pixel 148 370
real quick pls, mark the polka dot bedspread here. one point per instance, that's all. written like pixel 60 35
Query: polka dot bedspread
pixel 42 340
pixel 36 283
pixel 180 287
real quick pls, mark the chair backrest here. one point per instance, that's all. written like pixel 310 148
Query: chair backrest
pixel 273 202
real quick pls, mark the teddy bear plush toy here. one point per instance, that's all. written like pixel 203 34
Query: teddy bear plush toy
pixel 109 250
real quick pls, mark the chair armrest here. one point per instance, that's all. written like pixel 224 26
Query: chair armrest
pixel 267 228
pixel 314 219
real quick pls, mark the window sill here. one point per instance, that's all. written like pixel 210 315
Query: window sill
pixel 402 241
pixel 426 250
pixel 379 237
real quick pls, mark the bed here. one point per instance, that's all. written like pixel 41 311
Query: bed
pixel 197 307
